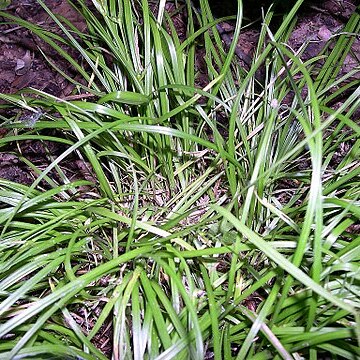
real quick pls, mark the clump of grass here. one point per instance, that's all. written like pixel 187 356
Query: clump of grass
pixel 185 246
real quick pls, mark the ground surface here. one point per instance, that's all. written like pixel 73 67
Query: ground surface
pixel 22 65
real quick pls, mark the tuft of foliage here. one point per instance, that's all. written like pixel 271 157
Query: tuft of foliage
pixel 201 232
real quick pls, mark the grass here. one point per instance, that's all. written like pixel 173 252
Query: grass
pixel 200 233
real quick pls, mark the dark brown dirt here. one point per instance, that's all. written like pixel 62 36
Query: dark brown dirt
pixel 22 64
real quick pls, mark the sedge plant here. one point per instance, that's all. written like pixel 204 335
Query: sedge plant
pixel 199 234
